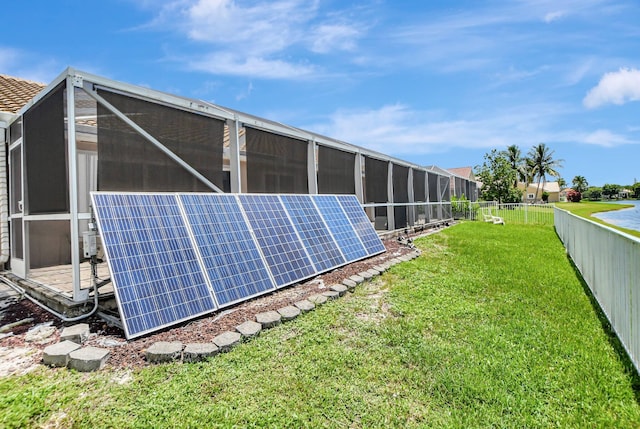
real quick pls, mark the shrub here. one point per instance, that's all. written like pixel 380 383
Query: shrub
pixel 574 196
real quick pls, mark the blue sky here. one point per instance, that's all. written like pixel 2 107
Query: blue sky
pixel 431 82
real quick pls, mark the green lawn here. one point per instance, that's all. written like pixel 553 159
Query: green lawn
pixel 490 327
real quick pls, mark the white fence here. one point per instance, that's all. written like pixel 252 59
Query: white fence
pixel 609 261
pixel 539 214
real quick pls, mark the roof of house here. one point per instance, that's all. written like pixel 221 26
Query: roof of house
pixel 16 92
pixel 548 186
pixel 466 172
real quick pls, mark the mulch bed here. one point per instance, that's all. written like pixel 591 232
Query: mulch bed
pixel 130 354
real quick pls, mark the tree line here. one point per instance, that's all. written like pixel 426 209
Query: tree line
pixel 501 172
pixel 582 190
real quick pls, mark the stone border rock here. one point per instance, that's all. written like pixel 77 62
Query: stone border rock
pixel 69 351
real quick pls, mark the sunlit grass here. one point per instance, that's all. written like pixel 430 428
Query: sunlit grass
pixel 490 327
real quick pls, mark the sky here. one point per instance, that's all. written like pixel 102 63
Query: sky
pixel 431 82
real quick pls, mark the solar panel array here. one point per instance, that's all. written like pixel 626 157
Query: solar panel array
pixel 174 257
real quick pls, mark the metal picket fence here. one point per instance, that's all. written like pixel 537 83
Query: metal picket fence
pixel 608 261
pixel 536 214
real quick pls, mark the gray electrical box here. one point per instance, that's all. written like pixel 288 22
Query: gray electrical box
pixel 89 243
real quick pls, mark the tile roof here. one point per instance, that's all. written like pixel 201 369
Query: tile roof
pixel 16 92
pixel 466 172
pixel 548 186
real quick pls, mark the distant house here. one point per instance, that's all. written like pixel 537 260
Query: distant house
pixel 529 194
pixel 563 194
pixel 463 182
pixel 465 172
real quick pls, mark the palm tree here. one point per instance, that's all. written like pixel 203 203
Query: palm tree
pixel 562 183
pixel 544 164
pixel 529 172
pixel 514 155
pixel 580 184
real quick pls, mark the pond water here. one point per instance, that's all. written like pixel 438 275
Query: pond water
pixel 625 218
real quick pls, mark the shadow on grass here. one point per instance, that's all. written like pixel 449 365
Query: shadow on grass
pixel 612 337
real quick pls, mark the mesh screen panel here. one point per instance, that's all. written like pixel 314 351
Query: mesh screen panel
pixel 335 171
pixel 275 163
pixel 16 179
pixel 46 155
pixel 49 243
pixel 400 194
pixel 445 190
pixel 375 173
pixel 129 162
pixel 16 238
pixel 459 187
pixel 400 184
pixel 419 189
pixel 15 130
pixel 433 187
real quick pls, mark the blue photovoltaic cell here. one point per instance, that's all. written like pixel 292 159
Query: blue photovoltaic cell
pixel 340 227
pixel 154 268
pixel 174 257
pixel 231 258
pixel 361 224
pixel 277 238
pixel 320 245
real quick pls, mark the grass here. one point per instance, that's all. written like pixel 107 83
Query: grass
pixel 490 327
pixel 585 209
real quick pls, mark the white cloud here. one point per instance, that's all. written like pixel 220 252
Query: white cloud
pixel 231 64
pixel 554 16
pixel 258 38
pixel 579 71
pixel 606 138
pixel 328 37
pixel 260 28
pixel 27 65
pixel 247 92
pixel 614 88
pixel 400 130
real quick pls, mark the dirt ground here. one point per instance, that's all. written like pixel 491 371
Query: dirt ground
pixel 20 352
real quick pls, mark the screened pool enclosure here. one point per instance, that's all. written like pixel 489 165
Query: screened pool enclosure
pixel 85 133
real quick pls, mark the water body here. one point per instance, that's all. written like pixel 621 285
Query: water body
pixel 625 218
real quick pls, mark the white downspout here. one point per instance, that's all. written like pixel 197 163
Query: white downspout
pixel 4 197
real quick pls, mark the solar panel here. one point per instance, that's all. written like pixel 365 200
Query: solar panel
pixel 174 257
pixel 361 224
pixel 155 271
pixel 277 238
pixel 320 245
pixel 340 227
pixel 229 253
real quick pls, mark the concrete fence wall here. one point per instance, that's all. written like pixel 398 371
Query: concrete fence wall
pixel 609 262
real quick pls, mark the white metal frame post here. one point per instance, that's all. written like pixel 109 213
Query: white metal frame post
pixel 78 293
pixel 440 211
pixel 391 219
pixel 234 155
pixel 312 163
pixel 411 209
pixel 357 171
